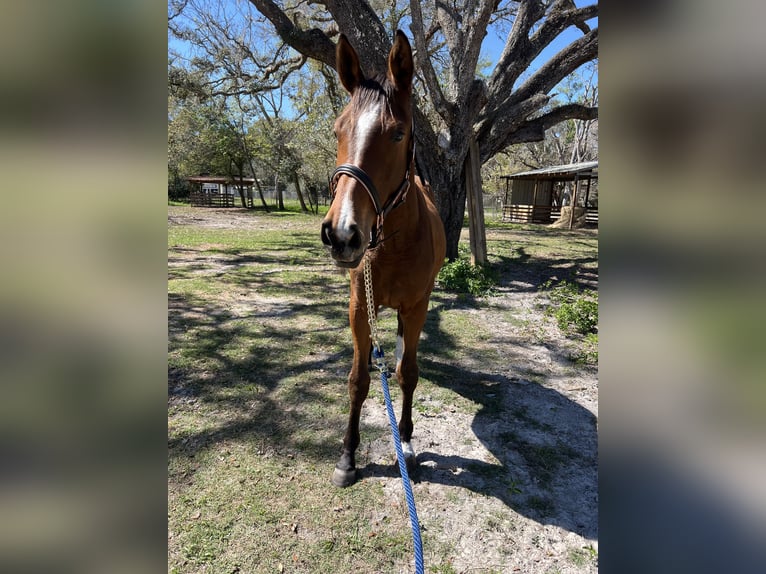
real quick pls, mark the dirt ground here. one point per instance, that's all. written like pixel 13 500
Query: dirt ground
pixel 546 519
pixel 507 445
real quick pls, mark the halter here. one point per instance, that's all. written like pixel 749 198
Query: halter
pixel 395 200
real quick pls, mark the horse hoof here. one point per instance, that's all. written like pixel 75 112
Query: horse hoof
pixel 410 458
pixel 343 478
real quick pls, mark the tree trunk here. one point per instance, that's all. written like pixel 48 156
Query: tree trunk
pixel 252 169
pixel 477 235
pixel 450 199
pixel 260 191
pixel 304 209
pixel 232 176
pixel 447 179
pixel 278 191
pixel 241 188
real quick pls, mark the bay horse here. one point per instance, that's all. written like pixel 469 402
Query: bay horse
pixel 382 211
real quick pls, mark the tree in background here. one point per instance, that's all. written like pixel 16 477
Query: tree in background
pixel 461 104
pixel 455 106
pixel 227 72
pixel 571 141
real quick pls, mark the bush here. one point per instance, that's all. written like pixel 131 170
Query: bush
pixel 582 315
pixel 460 276
pixel 573 309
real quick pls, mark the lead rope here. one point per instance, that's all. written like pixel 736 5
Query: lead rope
pixel 380 364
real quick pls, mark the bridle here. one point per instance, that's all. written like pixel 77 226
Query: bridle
pixel 394 200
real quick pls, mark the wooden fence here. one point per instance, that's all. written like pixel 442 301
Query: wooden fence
pixel 541 214
pixel 201 198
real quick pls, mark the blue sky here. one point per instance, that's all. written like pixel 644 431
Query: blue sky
pixel 493 44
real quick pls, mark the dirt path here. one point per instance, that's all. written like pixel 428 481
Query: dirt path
pixel 505 425
pixel 527 459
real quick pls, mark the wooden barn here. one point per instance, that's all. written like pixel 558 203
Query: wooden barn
pixel 536 196
pixel 219 191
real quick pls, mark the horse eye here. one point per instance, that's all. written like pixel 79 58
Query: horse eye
pixel 398 136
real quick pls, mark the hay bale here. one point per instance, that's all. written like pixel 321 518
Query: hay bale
pixel 563 221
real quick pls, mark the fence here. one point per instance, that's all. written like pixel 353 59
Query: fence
pixel 203 198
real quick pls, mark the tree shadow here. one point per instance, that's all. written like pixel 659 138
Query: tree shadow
pixel 545 444
pixel 241 365
pixel 524 273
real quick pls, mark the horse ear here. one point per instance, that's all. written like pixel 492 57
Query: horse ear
pixel 400 64
pixel 347 64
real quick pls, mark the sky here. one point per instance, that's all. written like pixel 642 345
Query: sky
pixel 493 43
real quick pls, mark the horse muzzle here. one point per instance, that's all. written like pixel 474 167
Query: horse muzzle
pixel 346 245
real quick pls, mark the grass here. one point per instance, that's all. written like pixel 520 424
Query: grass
pixel 575 311
pixel 258 354
pixel 581 557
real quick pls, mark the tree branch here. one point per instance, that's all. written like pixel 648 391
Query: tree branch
pixel 560 20
pixel 533 130
pixel 517 47
pixel 473 37
pixel 359 22
pixel 520 49
pixel 559 66
pixel 443 107
pixel 312 43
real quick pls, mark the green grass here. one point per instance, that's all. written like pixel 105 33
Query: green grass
pixel 575 311
pixel 258 348
pixel 573 308
pixel 582 557
pixel 258 354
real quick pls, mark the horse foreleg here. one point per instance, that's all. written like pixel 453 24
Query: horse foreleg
pixel 358 387
pixel 408 335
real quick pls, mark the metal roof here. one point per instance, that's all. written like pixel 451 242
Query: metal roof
pixel 567 171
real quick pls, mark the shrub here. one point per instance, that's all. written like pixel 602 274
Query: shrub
pixel 574 309
pixel 582 315
pixel 460 276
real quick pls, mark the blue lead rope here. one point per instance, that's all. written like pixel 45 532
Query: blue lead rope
pixel 377 354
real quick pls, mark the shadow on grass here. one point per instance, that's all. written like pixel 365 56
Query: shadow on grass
pixel 274 377
pixel 254 371
pixel 545 443
pixel 521 272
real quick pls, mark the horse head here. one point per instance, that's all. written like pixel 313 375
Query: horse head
pixel 375 151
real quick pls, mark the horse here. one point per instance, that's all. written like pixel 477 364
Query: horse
pixel 381 210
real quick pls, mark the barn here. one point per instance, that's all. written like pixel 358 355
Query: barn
pixel 219 191
pixel 537 196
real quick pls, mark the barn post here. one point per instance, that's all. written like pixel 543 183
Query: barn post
pixel 507 200
pixel 476 232
pixel 574 199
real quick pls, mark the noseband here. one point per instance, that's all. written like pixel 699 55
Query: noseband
pixel 395 200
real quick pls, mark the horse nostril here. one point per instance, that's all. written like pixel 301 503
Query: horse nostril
pixel 327 234
pixel 356 238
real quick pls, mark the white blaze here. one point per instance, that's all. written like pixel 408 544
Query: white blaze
pixel 364 130
pixel 343 232
pixel 366 125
